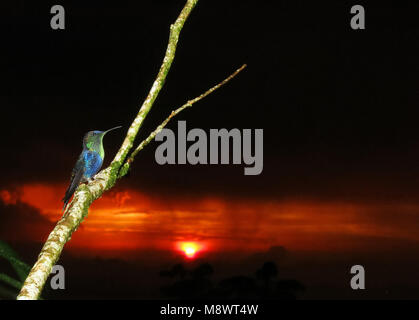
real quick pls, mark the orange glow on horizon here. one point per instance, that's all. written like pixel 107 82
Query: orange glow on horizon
pixel 130 219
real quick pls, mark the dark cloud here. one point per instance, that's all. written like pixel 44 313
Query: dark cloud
pixel 20 222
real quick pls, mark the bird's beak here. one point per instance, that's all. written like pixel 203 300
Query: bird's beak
pixel 111 129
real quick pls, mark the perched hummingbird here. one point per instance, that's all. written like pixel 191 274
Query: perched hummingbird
pixel 88 163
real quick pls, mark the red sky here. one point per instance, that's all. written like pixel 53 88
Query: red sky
pixel 131 219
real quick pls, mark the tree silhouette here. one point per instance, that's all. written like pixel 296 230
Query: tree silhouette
pixel 192 284
pixel 197 284
pixel 288 289
pixel 237 287
pixel 177 270
pixel 202 271
pixel 266 274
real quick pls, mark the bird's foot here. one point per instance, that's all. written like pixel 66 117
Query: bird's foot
pixel 96 178
pixel 99 178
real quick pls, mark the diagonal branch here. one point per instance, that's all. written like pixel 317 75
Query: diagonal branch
pixel 157 85
pixel 126 166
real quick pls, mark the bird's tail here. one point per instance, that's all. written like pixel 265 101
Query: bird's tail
pixel 72 188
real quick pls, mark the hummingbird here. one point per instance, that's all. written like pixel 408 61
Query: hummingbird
pixel 89 162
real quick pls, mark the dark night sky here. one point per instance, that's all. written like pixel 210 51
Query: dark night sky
pixel 338 106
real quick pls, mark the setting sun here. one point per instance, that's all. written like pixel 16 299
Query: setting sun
pixel 189 249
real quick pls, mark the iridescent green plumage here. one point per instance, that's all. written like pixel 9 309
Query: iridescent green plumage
pixel 89 162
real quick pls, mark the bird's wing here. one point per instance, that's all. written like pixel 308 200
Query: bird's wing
pixel 76 178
